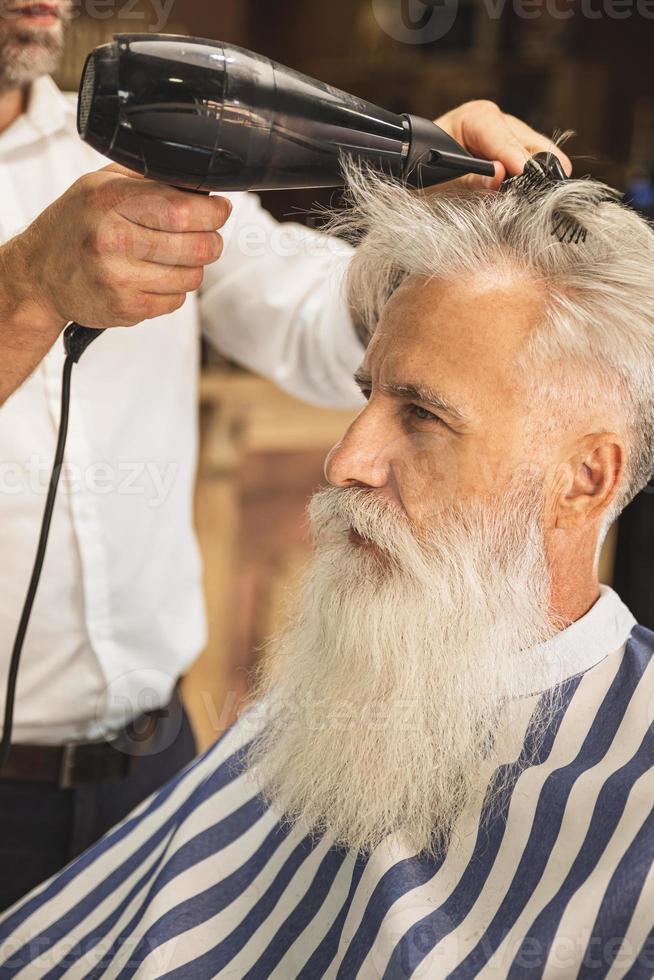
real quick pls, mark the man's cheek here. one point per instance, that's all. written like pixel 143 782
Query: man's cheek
pixel 428 474
pixel 489 475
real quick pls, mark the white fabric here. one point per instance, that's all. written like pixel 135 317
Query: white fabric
pixel 119 612
pixel 587 641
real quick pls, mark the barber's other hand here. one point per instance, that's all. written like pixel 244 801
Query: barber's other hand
pixel 117 249
pixel 487 132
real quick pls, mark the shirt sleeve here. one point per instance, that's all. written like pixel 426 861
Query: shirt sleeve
pixel 275 303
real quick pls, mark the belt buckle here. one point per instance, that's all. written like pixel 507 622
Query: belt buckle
pixel 67 767
pixel 70 778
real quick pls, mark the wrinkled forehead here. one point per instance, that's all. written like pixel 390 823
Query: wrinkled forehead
pixel 463 335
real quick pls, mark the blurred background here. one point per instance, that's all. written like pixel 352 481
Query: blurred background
pixel 582 65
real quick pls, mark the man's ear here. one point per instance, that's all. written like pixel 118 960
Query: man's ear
pixel 590 479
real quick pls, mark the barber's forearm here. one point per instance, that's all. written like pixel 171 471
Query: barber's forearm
pixel 28 329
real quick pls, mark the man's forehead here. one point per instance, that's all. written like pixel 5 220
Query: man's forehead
pixel 465 333
pixel 495 305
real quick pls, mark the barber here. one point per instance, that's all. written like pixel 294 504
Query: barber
pixel 119 616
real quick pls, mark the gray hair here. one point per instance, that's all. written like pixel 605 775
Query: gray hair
pixel 600 292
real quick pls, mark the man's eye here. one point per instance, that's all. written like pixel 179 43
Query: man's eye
pixel 421 413
pixel 366 392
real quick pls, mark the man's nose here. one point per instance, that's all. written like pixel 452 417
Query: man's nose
pixel 361 458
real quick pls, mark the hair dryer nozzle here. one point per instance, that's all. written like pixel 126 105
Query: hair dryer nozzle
pixel 204 115
pixel 435 157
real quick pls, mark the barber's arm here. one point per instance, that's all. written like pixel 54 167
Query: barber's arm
pixel 276 300
pixel 114 250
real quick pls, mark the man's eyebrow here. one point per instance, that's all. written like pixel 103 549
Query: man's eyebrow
pixel 417 391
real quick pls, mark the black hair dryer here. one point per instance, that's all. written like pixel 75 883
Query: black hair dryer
pixel 208 116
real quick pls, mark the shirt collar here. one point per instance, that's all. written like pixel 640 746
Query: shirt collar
pixel 603 630
pixel 47 111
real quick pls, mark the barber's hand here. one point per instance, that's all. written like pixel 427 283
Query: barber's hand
pixel 117 249
pixel 487 132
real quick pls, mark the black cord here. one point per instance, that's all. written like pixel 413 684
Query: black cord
pixel 76 340
pixel 38 564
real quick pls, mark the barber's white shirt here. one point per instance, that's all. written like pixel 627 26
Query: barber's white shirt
pixel 119 611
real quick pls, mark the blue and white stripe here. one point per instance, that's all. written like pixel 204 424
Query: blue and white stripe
pixel 203 880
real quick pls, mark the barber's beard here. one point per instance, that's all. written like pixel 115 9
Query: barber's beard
pixel 387 690
pixel 29 53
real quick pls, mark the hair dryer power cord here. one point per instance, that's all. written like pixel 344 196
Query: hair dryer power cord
pixel 76 340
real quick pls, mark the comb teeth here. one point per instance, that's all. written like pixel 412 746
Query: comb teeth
pixel 540 174
pixel 531 183
pixel 567 230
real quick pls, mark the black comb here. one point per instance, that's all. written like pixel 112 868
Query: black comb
pixel 541 172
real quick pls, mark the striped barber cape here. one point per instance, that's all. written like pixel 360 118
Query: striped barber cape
pixel 203 880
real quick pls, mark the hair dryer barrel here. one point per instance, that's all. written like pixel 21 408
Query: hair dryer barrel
pixel 209 116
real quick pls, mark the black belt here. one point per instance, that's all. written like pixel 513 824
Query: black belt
pixel 79 764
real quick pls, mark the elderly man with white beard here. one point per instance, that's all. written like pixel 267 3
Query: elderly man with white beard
pixel 447 765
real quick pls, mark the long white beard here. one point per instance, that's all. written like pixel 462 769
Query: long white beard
pixel 386 690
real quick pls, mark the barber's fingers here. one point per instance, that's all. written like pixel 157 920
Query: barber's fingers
pixel 163 208
pixel 191 248
pixel 124 239
pixel 483 130
pixel 126 279
pixel 487 132
pixel 160 305
pixel 115 190
pixel 536 142
pixel 152 278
